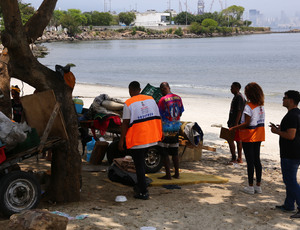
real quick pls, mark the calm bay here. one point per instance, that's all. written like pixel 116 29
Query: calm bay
pixel 203 66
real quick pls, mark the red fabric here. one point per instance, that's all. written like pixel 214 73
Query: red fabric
pixel 102 124
pixel 2 155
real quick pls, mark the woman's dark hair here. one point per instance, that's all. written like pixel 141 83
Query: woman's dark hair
pixel 294 95
pixel 254 93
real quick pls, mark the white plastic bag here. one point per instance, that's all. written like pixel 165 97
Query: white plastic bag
pixel 12 133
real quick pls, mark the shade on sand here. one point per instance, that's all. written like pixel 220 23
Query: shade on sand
pixel 187 178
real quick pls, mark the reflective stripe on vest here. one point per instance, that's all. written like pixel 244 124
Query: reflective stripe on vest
pixel 145 123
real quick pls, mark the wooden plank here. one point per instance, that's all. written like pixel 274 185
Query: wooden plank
pixel 209 148
pixel 38 109
pixel 48 127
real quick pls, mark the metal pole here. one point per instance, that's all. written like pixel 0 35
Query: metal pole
pixel 186 12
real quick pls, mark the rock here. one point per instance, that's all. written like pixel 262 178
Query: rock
pixel 37 220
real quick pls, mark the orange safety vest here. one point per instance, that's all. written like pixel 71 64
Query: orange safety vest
pixel 255 132
pixel 145 123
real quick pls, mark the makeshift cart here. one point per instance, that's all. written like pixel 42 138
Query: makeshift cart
pixel 21 190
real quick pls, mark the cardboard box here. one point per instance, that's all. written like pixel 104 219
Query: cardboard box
pixel 227 135
pixel 191 153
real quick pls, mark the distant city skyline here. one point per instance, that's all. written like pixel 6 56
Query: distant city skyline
pixel 270 8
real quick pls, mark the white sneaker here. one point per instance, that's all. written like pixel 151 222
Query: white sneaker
pixel 249 190
pixel 257 189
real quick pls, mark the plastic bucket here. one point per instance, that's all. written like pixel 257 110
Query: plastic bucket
pixel 78 105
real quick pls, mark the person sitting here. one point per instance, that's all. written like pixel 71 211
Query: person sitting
pixel 16 104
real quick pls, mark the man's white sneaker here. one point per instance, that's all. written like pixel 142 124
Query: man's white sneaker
pixel 257 189
pixel 249 190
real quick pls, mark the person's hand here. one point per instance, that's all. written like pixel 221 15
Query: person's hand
pixel 231 129
pixel 163 136
pixel 121 145
pixel 274 129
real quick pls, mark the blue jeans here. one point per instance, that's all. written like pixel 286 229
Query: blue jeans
pixel 289 168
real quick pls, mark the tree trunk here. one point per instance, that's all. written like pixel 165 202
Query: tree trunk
pixel 66 160
pixel 5 102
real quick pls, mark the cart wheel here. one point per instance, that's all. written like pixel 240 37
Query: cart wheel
pixel 153 160
pixel 18 191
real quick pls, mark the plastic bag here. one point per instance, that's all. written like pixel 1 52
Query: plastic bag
pixel 12 133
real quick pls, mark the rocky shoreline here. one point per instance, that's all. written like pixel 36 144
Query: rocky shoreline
pixel 129 35
pixel 126 34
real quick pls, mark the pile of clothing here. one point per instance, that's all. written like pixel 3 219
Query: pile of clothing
pixel 104 110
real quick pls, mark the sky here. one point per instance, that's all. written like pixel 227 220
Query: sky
pixel 270 8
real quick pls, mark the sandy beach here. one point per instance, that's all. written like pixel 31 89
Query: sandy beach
pixel 200 206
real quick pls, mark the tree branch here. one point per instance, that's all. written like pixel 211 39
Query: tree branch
pixel 36 24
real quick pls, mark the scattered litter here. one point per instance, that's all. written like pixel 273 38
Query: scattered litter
pixel 81 217
pixel 121 199
pixel 236 165
pixel 171 186
pixel 217 125
pixel 147 228
pixel 78 217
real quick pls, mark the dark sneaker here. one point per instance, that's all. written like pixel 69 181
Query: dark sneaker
pixel 142 196
pixel 283 208
pixel 297 215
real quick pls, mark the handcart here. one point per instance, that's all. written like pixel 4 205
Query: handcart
pixel 21 190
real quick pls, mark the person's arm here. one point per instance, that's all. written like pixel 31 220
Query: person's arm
pixel 124 128
pixel 243 125
pixel 238 117
pixel 289 134
pixel 240 108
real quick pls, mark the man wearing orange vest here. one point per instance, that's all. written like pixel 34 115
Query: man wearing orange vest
pixel 142 128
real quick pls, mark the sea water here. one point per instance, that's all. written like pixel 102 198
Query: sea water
pixel 202 66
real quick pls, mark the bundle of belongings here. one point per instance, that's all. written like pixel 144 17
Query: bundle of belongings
pixel 105 111
pixel 192 132
pixel 123 171
pixel 17 137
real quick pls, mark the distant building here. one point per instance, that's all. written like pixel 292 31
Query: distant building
pixel 152 18
pixel 255 17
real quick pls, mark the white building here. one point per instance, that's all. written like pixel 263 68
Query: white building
pixel 152 18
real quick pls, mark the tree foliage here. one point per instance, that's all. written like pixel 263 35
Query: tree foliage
pixel 195 28
pixel 56 17
pixel 209 22
pixel 236 12
pixel 71 20
pixel 26 11
pixel 127 17
pixel 101 18
pixel 184 18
